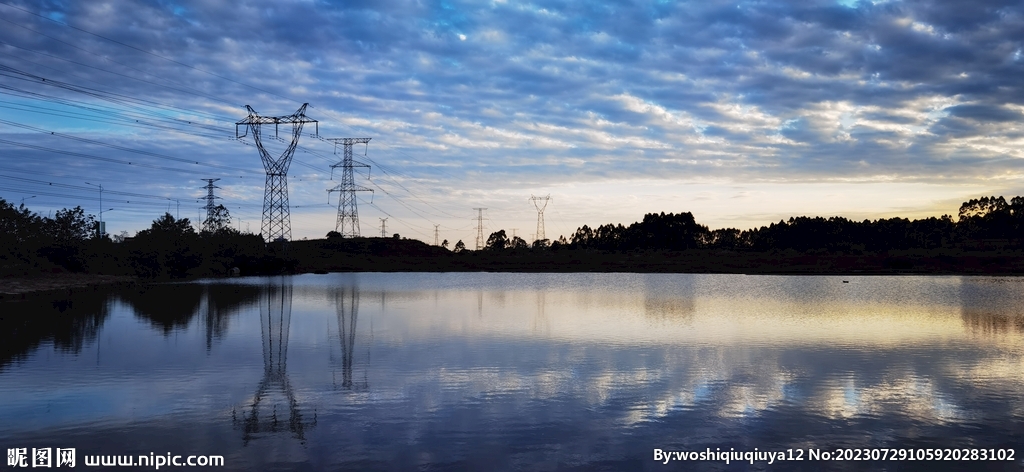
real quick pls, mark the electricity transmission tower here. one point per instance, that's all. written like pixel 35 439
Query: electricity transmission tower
pixel 348 213
pixel 540 213
pixel 480 241
pixel 208 224
pixel 276 213
pixel 383 230
pixel 436 243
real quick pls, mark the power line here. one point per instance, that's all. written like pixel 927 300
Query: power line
pixel 121 148
pixel 195 92
pixel 150 53
pixel 98 158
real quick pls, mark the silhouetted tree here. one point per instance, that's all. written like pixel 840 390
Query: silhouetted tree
pixel 218 220
pixel 70 226
pixel 518 243
pixel 21 235
pixel 497 241
pixel 460 246
pixel 170 247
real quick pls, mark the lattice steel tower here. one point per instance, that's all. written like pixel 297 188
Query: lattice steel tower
pixel 348 212
pixel 210 197
pixel 540 214
pixel 276 223
pixel 480 241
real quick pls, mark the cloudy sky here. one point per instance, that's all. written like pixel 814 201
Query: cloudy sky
pixel 742 113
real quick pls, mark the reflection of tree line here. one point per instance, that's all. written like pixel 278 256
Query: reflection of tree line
pixel 173 306
pixel 73 322
pixel 988 322
pixel 69 324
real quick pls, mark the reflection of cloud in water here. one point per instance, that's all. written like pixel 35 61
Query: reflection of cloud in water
pixel 913 397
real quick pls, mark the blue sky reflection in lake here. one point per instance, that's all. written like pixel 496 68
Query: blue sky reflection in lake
pixel 536 371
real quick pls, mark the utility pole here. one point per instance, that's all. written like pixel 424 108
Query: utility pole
pixel 276 223
pixel 480 241
pixel 348 213
pixel 436 243
pixel 208 224
pixel 540 213
pixel 383 227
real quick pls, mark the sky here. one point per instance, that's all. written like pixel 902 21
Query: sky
pixel 742 113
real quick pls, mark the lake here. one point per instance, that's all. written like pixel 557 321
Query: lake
pixel 496 371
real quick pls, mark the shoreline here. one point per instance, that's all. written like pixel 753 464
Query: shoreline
pixel 64 284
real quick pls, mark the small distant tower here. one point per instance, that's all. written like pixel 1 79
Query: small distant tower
pixel 480 241
pixel 540 213
pixel 208 224
pixel 436 229
pixel 383 227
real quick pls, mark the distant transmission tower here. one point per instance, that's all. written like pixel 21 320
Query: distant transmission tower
pixel 383 227
pixel 208 224
pixel 436 227
pixel 540 213
pixel 276 213
pixel 348 212
pixel 480 228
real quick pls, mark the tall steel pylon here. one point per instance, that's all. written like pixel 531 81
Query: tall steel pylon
pixel 383 227
pixel 540 214
pixel 276 223
pixel 436 234
pixel 348 212
pixel 210 197
pixel 480 241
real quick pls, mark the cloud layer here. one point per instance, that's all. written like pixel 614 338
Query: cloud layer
pixel 470 104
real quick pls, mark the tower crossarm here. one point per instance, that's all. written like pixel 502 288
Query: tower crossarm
pixel 254 122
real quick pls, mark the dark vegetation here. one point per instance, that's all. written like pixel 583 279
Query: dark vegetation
pixel 985 237
pixel 31 244
pixel 73 321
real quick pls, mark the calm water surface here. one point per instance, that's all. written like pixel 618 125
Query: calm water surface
pixel 521 371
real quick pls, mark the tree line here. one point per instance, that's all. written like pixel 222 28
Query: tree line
pixel 982 223
pixel 169 248
pixel 172 248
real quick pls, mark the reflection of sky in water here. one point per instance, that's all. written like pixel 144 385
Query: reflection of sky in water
pixel 529 370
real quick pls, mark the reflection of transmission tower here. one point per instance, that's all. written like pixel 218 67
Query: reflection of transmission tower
pixel 540 214
pixel 480 241
pixel 274 389
pixel 208 224
pixel 347 306
pixel 348 213
pixel 276 213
